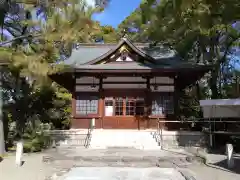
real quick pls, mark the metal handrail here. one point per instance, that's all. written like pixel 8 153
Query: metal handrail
pixel 159 133
pixel 210 131
pixel 89 135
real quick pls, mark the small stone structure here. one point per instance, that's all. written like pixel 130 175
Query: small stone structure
pixel 230 160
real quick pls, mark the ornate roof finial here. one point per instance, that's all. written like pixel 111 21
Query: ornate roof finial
pixel 124 34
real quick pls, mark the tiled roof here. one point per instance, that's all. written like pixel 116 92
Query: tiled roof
pixel 83 54
pixel 138 66
pixel 88 52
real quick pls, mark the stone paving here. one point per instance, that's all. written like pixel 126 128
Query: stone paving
pixel 59 164
pixel 126 173
pixel 119 157
pixel 116 163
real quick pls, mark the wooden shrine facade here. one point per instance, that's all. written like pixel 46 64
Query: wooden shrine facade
pixel 125 87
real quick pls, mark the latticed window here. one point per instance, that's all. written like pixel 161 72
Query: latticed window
pixel 130 106
pixel 118 106
pixel 162 104
pixel 86 104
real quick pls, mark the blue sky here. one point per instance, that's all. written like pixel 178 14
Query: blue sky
pixel 117 11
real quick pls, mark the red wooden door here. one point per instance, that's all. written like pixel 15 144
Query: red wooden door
pixel 120 109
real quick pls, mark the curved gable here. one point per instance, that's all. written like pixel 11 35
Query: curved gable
pixel 124 46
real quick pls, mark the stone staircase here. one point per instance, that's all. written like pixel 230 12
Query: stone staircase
pixel 138 139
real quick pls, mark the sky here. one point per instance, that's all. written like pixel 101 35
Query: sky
pixel 116 11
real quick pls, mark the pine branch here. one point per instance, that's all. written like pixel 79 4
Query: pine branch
pixel 18 38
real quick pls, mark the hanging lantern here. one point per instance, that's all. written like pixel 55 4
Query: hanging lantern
pixel 155 85
pixel 93 86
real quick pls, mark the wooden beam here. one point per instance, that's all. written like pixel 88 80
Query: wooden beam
pixel 162 88
pixel 86 88
pixel 166 80
pixel 124 79
pixel 87 80
pixel 124 86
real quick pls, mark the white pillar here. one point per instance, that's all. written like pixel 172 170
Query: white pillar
pixel 93 122
pixel 19 153
pixel 230 160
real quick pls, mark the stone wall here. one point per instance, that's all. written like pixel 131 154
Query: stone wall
pixel 183 139
pixel 76 137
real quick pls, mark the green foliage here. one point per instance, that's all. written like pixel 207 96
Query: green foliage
pixel 29 96
pixel 107 33
pixel 200 32
pixel 189 104
pixel 36 138
pixel 25 102
pixel 134 27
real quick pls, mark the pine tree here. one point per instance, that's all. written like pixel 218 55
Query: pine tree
pixel 37 45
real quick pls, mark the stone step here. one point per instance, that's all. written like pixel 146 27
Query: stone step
pixel 123 138
pixel 125 161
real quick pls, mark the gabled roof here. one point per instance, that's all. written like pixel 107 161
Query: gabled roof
pixel 120 44
pixel 92 53
pixel 135 67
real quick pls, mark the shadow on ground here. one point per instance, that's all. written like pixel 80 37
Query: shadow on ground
pixel 223 165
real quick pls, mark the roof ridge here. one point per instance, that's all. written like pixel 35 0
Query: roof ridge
pixel 109 44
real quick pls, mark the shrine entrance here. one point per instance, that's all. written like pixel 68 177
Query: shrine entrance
pixel 123 109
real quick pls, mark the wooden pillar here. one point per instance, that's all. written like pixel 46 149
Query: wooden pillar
pixel 101 102
pixel 148 103
pixel 176 96
pixel 73 91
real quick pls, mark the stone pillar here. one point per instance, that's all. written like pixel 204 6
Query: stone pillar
pixel 93 123
pixel 19 153
pixel 2 142
pixel 230 160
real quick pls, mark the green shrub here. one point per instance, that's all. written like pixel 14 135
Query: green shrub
pixel 36 144
pixel 36 139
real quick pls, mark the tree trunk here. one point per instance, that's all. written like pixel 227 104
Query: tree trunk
pixel 213 83
pixel 2 142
